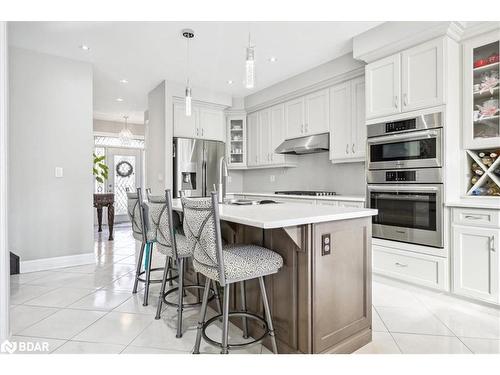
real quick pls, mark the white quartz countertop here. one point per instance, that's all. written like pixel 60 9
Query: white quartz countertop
pixel 281 215
pixel 487 203
pixel 354 198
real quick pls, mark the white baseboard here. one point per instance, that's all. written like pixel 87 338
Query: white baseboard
pixel 56 262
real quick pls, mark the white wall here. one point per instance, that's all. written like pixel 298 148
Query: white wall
pixel 115 127
pixel 4 251
pixel 155 140
pixel 50 126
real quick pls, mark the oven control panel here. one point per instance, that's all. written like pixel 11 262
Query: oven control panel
pixel 400 176
pixel 400 126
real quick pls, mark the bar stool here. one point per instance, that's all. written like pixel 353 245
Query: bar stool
pixel 228 265
pixel 136 213
pixel 174 245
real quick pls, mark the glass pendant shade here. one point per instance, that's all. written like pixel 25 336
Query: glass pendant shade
pixel 125 134
pixel 188 101
pixel 250 69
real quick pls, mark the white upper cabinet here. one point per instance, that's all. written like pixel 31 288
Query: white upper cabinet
pixel 212 124
pixel 265 137
pixel 422 76
pixel 294 117
pixel 308 115
pixel 185 126
pixel 383 86
pixel 406 81
pixel 317 112
pixel 253 139
pixel 204 122
pixel 348 128
pixel 278 132
pixel 340 134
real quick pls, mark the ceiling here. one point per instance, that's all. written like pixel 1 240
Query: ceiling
pixel 145 53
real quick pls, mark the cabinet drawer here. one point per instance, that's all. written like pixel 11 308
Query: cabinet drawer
pixel 476 217
pixel 416 268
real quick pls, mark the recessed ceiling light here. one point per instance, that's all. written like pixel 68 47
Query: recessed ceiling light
pixel 229 82
pixel 123 80
pixel 84 47
pixel 119 99
pixel 272 59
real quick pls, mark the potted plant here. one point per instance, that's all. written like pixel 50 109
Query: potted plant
pixel 100 170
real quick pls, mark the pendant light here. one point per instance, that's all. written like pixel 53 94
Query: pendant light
pixel 250 66
pixel 125 134
pixel 188 34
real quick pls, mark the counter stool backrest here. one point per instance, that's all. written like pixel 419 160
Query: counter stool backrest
pixel 202 230
pixel 161 220
pixel 136 214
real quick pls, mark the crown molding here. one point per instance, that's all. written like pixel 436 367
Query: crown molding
pixel 472 30
pixel 309 89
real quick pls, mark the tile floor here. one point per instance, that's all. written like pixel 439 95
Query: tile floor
pixel 90 309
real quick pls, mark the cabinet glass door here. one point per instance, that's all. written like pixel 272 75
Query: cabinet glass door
pixel 236 141
pixel 485 91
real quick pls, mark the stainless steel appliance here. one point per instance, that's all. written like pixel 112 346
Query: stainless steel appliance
pixel 307 192
pixel 409 210
pixel 196 168
pixel 305 145
pixel 411 143
pixel 405 181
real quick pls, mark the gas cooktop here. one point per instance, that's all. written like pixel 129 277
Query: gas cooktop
pixel 307 192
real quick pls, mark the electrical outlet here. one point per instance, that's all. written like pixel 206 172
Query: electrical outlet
pixel 272 178
pixel 326 246
pixel 229 179
pixel 59 172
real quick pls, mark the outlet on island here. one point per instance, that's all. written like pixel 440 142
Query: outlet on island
pixel 272 178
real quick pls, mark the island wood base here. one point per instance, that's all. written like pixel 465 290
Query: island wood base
pixel 320 303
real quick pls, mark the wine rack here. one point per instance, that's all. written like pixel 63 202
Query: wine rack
pixel 484 172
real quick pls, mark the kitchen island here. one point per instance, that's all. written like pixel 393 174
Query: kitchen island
pixel 321 298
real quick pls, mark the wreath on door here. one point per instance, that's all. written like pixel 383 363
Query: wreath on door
pixel 124 168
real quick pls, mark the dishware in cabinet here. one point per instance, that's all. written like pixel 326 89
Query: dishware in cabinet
pixel 236 144
pixel 481 68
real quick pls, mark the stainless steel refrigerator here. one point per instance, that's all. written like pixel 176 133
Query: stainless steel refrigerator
pixel 196 166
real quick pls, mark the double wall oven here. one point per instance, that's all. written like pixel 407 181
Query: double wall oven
pixel 405 182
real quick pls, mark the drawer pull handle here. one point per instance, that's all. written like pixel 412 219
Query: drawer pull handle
pixel 400 264
pixel 472 217
pixel 492 244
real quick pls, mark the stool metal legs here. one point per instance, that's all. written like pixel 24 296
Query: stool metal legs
pixel 166 272
pixel 267 311
pixel 217 296
pixel 225 320
pixel 203 314
pixel 149 257
pixel 244 309
pixel 138 270
pixel 180 291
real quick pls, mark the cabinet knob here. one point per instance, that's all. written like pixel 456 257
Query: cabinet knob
pixel 405 99
pixel 353 149
pixel 396 101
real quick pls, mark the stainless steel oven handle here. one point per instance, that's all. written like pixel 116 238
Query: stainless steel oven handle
pixel 402 188
pixel 400 137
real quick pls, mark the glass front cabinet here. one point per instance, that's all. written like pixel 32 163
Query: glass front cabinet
pixel 481 63
pixel 236 145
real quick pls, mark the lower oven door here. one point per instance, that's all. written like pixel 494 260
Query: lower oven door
pixel 408 213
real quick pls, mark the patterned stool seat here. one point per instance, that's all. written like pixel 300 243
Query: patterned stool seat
pixel 183 250
pixel 243 262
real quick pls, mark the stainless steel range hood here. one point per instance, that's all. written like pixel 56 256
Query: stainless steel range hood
pixel 305 145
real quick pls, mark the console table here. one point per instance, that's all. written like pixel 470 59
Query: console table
pixel 105 200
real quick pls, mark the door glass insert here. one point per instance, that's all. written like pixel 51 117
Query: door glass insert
pixel 485 91
pixel 405 209
pixel 124 170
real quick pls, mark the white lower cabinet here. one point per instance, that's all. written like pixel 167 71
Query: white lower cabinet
pixel 427 270
pixel 476 262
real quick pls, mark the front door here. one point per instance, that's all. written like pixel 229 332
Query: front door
pixel 125 171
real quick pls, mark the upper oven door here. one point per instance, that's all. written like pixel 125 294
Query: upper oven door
pixel 419 149
pixel 409 213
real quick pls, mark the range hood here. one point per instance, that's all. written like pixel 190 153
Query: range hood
pixel 305 145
